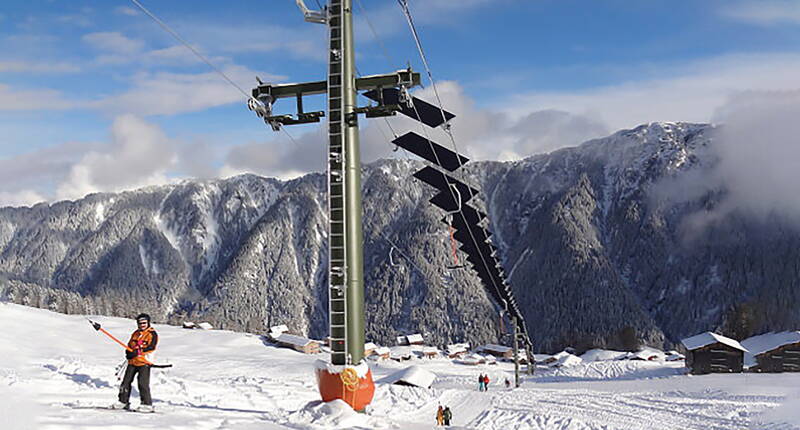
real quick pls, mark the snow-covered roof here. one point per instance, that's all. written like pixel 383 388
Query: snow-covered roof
pixel 646 354
pixel 708 338
pixel 401 351
pixel 472 359
pixel 383 350
pixel 430 350
pixel 565 359
pixel 500 349
pixel 457 348
pixel 293 339
pixel 369 345
pixel 412 338
pixel 278 329
pixel 766 342
pixel 412 375
pixel 401 340
pixel 602 355
pixel 205 326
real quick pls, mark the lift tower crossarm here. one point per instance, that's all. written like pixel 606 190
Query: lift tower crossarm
pixel 268 94
pixel 405 78
pixel 315 16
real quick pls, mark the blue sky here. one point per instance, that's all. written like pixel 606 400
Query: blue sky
pixel 96 97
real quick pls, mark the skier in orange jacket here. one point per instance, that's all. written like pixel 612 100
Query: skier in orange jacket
pixel 142 344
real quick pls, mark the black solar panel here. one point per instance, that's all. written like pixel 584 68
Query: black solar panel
pixel 452 201
pixel 440 181
pixel 429 114
pixel 421 147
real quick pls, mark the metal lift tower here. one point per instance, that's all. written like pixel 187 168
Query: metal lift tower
pixel 347 377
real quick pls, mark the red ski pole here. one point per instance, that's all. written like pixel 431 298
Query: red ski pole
pixel 101 329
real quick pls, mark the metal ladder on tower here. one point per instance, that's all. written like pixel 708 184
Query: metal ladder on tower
pixel 337 309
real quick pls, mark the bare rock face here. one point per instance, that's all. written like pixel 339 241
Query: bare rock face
pixel 595 260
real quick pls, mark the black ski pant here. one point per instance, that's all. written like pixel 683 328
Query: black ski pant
pixel 144 384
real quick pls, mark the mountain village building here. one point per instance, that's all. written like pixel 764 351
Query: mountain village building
pixel 773 352
pixel 713 353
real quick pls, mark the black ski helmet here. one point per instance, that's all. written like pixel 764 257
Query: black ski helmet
pixel 143 316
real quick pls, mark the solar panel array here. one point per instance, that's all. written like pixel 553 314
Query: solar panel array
pixel 454 197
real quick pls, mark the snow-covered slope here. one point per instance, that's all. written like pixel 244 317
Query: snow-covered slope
pixel 57 373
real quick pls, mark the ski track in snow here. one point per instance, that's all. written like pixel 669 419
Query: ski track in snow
pixel 60 376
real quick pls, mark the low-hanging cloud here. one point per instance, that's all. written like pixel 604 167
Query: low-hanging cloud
pixel 138 153
pixel 752 166
pixel 759 152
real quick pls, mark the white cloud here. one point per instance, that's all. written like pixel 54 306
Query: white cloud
pixel 25 66
pixel 691 93
pixel 113 42
pixel 20 198
pixel 33 99
pixel 125 10
pixel 302 41
pixel 140 154
pixel 759 150
pixel 763 12
pixel 137 154
pixel 172 93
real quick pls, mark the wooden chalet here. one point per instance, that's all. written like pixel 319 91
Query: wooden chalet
pixel 415 339
pixel 430 352
pixel 457 350
pixel 498 350
pixel 298 343
pixel 773 352
pixel 713 353
pixel 382 352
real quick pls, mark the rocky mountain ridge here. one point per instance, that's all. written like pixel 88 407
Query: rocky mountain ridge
pixel 595 257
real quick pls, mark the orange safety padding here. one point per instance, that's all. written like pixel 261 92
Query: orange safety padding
pixel 332 387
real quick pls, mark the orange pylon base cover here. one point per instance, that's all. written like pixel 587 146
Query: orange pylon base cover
pixel 357 394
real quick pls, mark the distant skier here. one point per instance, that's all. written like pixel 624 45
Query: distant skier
pixel 480 382
pixel 440 416
pixel 486 382
pixel 508 383
pixel 447 415
pixel 143 342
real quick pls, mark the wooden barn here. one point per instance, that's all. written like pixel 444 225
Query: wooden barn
pixel 498 350
pixel 457 350
pixel 713 353
pixel 298 343
pixel 773 352
pixel 369 348
pixel 382 353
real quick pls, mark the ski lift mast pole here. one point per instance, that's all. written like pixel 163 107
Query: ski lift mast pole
pixel 354 238
pixel 516 353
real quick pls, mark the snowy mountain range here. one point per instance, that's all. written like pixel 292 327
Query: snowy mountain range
pixel 598 254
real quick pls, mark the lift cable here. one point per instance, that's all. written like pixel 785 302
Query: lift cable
pixel 197 53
